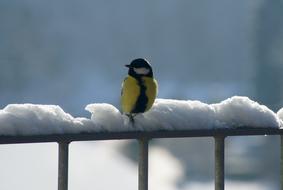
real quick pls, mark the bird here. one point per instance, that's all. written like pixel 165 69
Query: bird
pixel 139 88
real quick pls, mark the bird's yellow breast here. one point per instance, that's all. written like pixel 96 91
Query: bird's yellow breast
pixel 131 92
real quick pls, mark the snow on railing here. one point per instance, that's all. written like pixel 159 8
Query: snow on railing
pixel 236 116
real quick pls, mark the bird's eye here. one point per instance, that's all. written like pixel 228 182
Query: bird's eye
pixel 141 71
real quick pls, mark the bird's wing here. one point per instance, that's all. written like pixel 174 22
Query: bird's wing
pixel 151 91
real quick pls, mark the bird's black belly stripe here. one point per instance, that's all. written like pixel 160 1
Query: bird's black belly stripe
pixel 142 99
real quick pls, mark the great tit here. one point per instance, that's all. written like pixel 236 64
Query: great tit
pixel 139 88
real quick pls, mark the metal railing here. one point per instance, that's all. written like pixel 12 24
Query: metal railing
pixel 144 138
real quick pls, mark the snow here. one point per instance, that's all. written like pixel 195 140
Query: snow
pixel 107 117
pixel 171 114
pixel 31 119
pixel 177 114
pixel 280 115
pixel 166 114
pixel 242 112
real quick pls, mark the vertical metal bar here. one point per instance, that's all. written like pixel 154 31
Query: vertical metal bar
pixel 281 163
pixel 63 163
pixel 219 162
pixel 143 164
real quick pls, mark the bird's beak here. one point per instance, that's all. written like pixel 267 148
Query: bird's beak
pixel 127 66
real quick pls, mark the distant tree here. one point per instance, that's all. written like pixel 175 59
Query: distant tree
pixel 269 54
pixel 269 74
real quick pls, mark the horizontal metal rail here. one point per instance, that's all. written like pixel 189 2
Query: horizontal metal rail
pixel 143 137
pixel 244 131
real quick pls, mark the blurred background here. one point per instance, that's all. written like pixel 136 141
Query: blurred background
pixel 73 53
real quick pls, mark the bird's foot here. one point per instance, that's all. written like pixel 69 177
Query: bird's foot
pixel 131 118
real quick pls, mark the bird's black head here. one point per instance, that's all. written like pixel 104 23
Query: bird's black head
pixel 140 67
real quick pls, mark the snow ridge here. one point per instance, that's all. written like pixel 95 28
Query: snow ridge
pixel 166 114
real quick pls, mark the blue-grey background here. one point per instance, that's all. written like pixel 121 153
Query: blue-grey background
pixel 72 53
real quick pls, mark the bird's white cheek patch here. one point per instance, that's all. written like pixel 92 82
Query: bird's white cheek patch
pixel 141 71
